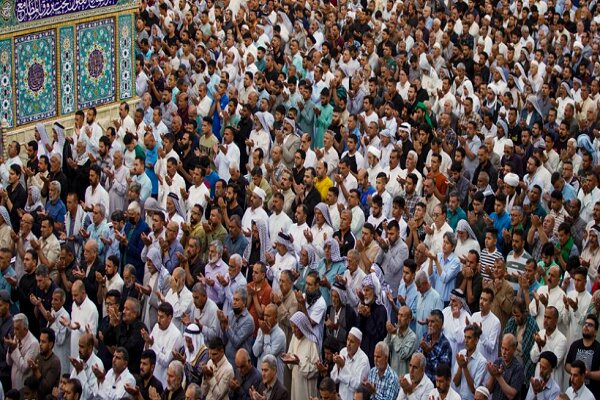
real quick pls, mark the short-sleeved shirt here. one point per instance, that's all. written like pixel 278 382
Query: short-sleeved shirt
pixel 590 357
pixel 513 375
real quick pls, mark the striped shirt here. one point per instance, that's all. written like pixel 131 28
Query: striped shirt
pixel 487 259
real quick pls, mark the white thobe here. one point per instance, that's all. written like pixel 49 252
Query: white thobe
pixel 224 161
pixel 181 303
pixel 556 343
pixel 286 262
pixel 490 334
pixel 62 342
pixel 573 320
pixel 454 329
pixel 86 315
pixel 89 382
pixel 279 223
pixel 555 298
pixel 165 342
pixel 207 317
pixel 350 377
pixel 197 195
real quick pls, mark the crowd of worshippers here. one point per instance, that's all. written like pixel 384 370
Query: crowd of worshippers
pixel 342 200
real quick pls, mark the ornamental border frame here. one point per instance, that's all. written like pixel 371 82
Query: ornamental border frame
pixel 59 22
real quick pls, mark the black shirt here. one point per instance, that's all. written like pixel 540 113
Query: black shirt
pixel 590 357
pixel 153 382
pixel 348 241
pixel 18 198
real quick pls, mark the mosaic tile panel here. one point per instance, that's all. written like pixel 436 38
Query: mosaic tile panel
pixel 35 71
pixel 6 87
pixel 66 43
pixel 126 66
pixel 95 63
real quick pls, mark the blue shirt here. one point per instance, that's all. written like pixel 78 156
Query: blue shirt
pixel 4 285
pixel 501 222
pixel 56 210
pixel 411 296
pixel 568 192
pixel 550 392
pixel 387 386
pixel 428 301
pixel 337 268
pixel 151 160
pixel 96 232
pixel 476 365
pixel 217 118
pixel 445 282
pixel 146 185
pixel 235 246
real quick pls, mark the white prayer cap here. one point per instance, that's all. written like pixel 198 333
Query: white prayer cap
pixel 511 179
pixel 356 333
pixel 373 150
pixel 578 44
pixel 260 193
pixel 484 391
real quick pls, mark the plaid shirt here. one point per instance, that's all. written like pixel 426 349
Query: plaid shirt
pixel 387 386
pixel 531 328
pixel 441 353
pixel 411 204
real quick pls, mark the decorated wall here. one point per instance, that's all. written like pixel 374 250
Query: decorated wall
pixel 60 56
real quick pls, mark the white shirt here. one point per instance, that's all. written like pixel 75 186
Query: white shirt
pixel 286 262
pixel 420 392
pixel 181 302
pixel 164 343
pixel 297 231
pixel 196 196
pixel 436 239
pixel 113 387
pixel 99 195
pixel 573 320
pixel 582 394
pixel 207 317
pixel 350 183
pixel 279 223
pixel 223 161
pixel 253 215
pixel 452 395
pixel 114 283
pixel 89 382
pixel 85 315
pixel 490 334
pixel 556 343
pixel 351 376
pixel 555 298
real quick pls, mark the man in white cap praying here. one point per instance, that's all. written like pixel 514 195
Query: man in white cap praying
pixel 373 158
pixel 351 365
pixel 255 211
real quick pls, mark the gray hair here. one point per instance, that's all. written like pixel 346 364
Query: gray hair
pixel 130 268
pixel 55 185
pixel 22 318
pixel 421 277
pixel 218 245
pixel 61 293
pixel 384 348
pixel 242 292
pixel 199 288
pixel 135 186
pixel 271 361
pixel 235 258
pixel 177 368
pixel 134 206
pixel 137 306
pixel 196 390
pixel 511 338
pixel 451 238
pixel 101 209
pixel 421 359
pixel 57 156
